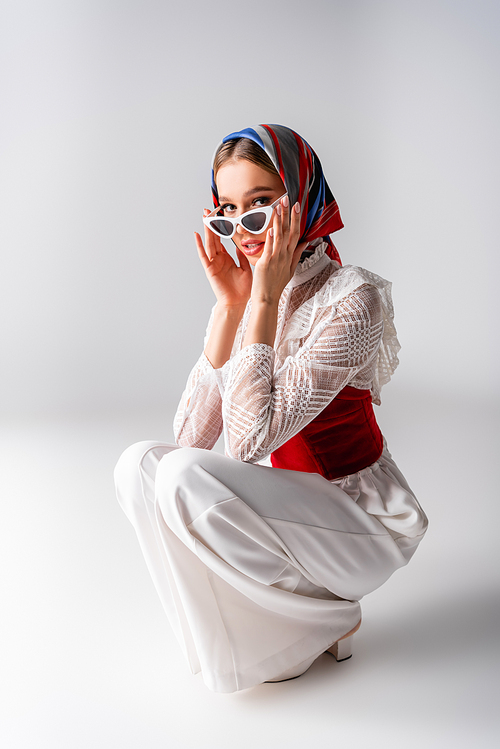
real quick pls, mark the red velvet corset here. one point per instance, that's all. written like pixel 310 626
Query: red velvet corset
pixel 342 439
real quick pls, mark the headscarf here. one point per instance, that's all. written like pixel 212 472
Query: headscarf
pixel 301 172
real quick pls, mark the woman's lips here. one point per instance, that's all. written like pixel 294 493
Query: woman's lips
pixel 252 248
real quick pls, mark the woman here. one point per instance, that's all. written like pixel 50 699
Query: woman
pixel 261 568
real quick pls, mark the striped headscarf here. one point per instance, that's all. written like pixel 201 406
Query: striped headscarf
pixel 301 172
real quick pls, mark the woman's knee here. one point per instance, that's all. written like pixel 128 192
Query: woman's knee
pixel 135 473
pixel 185 483
pixel 175 468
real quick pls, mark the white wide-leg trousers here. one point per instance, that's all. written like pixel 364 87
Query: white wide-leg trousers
pixel 258 568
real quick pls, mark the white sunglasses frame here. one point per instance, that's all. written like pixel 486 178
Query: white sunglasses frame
pixel 267 209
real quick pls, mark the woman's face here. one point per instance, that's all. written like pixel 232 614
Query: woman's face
pixel 242 186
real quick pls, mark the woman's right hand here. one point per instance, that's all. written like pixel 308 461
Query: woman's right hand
pixel 232 285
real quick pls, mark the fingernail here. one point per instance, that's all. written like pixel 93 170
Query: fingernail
pixel 271 232
pixel 296 207
pixel 278 209
pixel 285 201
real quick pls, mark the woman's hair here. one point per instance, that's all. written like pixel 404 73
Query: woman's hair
pixel 242 148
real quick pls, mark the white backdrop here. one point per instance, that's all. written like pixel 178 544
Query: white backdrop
pixel 111 112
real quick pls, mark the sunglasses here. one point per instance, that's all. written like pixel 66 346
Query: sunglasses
pixel 254 221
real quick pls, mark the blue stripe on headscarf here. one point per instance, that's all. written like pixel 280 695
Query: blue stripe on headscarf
pixel 249 133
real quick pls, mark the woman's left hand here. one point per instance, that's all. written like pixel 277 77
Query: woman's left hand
pixel 280 256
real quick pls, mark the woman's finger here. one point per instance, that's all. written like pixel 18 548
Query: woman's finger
pixel 285 221
pixel 243 260
pixel 278 228
pixel 268 246
pixel 296 248
pixel 205 261
pixel 208 241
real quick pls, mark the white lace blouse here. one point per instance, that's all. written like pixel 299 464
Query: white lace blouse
pixel 335 328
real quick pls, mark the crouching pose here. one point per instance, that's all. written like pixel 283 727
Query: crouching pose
pixel 260 568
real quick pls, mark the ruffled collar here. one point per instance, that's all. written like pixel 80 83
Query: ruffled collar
pixel 311 265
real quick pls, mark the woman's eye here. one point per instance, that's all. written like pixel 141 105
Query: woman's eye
pixel 228 208
pixel 260 201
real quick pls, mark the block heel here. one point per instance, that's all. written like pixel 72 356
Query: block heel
pixel 341 650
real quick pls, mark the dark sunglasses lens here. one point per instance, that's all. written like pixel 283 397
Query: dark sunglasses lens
pixel 255 221
pixel 222 227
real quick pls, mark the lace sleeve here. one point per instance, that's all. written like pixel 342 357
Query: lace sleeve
pixel 263 409
pixel 198 421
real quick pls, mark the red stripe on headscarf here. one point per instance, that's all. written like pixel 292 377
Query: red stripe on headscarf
pixel 278 151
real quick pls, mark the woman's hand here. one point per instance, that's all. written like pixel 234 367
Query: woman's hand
pixel 273 270
pixel 231 284
pixel 280 256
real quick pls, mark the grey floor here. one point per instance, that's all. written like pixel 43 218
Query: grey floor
pixel 88 659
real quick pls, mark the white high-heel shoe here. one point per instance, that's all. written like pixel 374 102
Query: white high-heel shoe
pixel 341 651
